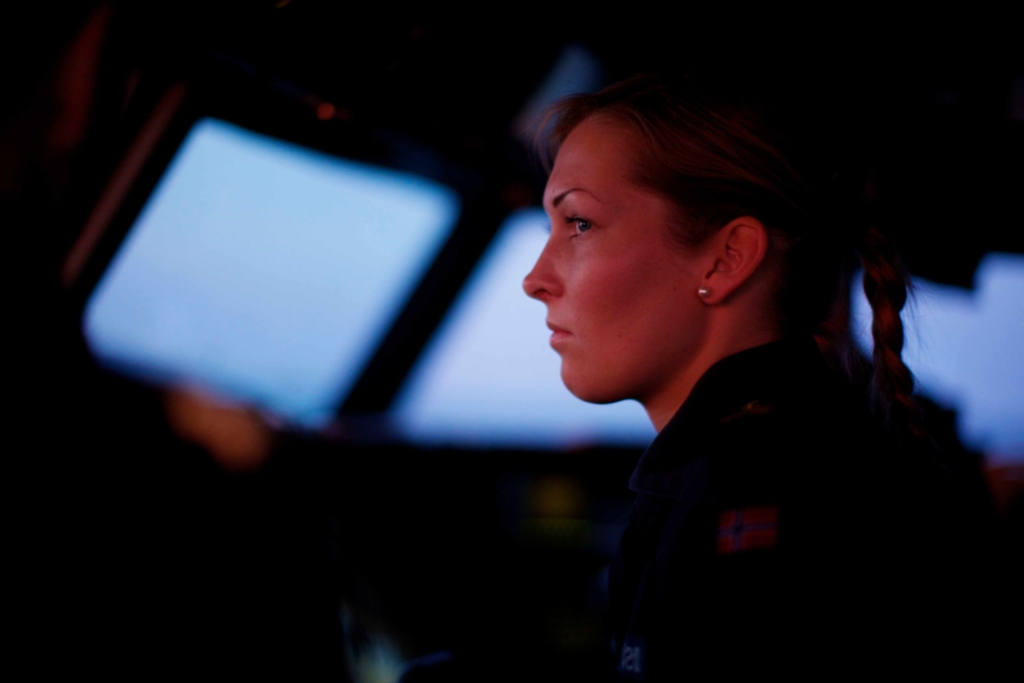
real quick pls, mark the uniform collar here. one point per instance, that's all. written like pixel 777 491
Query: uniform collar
pixel 746 381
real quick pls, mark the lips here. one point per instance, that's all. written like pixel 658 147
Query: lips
pixel 558 334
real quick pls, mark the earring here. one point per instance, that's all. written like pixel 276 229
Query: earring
pixel 703 292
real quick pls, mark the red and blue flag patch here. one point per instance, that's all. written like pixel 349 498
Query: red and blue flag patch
pixel 749 528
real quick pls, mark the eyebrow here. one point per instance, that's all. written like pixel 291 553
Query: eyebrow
pixel 558 200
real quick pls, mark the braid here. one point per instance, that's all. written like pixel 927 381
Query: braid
pixel 886 285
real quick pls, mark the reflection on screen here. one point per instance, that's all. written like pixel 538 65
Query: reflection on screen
pixel 265 271
pixel 489 377
pixel 966 350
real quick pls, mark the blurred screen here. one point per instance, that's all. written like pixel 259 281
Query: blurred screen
pixel 266 272
pixel 489 376
pixel 966 350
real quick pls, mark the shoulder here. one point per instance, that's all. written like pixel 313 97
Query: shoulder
pixel 800 471
pixel 771 444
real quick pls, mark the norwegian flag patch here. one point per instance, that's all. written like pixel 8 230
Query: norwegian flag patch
pixel 749 528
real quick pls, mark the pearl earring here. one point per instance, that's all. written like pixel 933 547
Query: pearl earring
pixel 703 292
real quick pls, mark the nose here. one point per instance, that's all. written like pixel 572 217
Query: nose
pixel 542 282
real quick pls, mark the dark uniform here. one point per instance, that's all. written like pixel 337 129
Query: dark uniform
pixel 773 519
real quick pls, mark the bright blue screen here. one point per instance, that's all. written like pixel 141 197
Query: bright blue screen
pixel 489 376
pixel 265 271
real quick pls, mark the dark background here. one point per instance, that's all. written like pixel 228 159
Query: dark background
pixel 136 552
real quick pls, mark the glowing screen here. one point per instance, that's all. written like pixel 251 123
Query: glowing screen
pixel 966 349
pixel 489 377
pixel 265 271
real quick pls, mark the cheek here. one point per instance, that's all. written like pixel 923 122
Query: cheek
pixel 619 298
pixel 637 322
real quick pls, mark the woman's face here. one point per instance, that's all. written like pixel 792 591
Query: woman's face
pixel 621 298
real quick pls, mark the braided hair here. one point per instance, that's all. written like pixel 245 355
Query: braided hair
pixel 717 158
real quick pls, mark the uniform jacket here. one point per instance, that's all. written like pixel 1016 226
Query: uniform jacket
pixel 771 516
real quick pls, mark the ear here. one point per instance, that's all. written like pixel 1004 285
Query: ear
pixel 735 254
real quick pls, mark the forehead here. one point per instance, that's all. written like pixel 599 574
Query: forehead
pixel 594 157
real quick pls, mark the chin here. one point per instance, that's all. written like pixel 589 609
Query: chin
pixel 592 387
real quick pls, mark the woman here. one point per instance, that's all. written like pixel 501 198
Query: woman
pixel 695 265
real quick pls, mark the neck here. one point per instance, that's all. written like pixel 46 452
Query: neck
pixel 731 338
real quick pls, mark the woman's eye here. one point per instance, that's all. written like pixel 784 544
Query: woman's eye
pixel 580 224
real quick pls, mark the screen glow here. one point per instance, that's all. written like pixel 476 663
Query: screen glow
pixel 265 271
